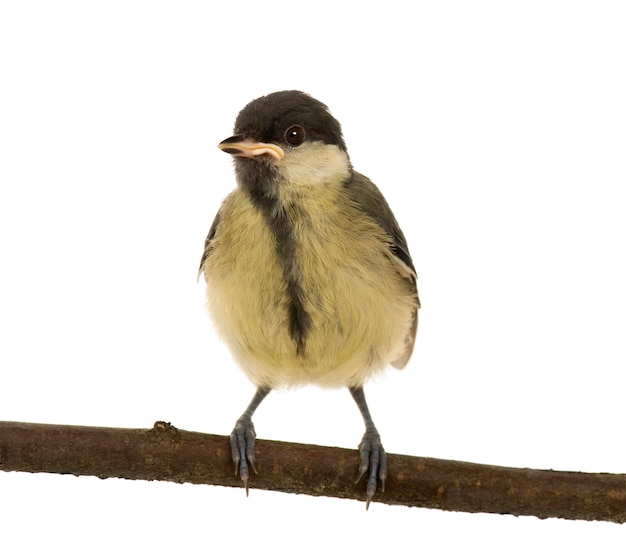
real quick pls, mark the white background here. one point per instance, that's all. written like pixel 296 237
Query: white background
pixel 497 131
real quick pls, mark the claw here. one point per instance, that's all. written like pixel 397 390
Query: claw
pixel 242 441
pixel 374 459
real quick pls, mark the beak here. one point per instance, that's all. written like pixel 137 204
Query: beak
pixel 241 146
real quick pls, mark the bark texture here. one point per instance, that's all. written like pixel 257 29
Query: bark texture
pixel 169 454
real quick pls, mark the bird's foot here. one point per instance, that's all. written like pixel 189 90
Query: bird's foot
pixel 373 462
pixel 242 447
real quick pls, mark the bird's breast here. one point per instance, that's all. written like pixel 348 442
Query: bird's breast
pixel 354 306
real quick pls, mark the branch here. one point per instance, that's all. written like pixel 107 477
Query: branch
pixel 169 454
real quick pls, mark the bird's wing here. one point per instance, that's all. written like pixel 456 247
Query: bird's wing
pixel 207 243
pixel 368 198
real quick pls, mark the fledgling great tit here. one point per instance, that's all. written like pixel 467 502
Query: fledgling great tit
pixel 308 275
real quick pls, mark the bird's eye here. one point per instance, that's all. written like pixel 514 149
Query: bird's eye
pixel 294 135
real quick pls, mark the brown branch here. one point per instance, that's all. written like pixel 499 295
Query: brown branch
pixel 168 454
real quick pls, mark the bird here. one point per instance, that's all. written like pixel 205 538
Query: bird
pixel 309 279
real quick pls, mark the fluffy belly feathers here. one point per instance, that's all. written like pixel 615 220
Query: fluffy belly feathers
pixel 361 308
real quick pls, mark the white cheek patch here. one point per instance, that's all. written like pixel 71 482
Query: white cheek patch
pixel 314 163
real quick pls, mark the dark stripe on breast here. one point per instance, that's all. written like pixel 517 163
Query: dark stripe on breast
pixel 282 229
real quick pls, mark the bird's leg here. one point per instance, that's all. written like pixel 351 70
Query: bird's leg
pixel 243 436
pixel 373 457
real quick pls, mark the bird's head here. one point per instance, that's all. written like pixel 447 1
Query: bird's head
pixel 287 137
